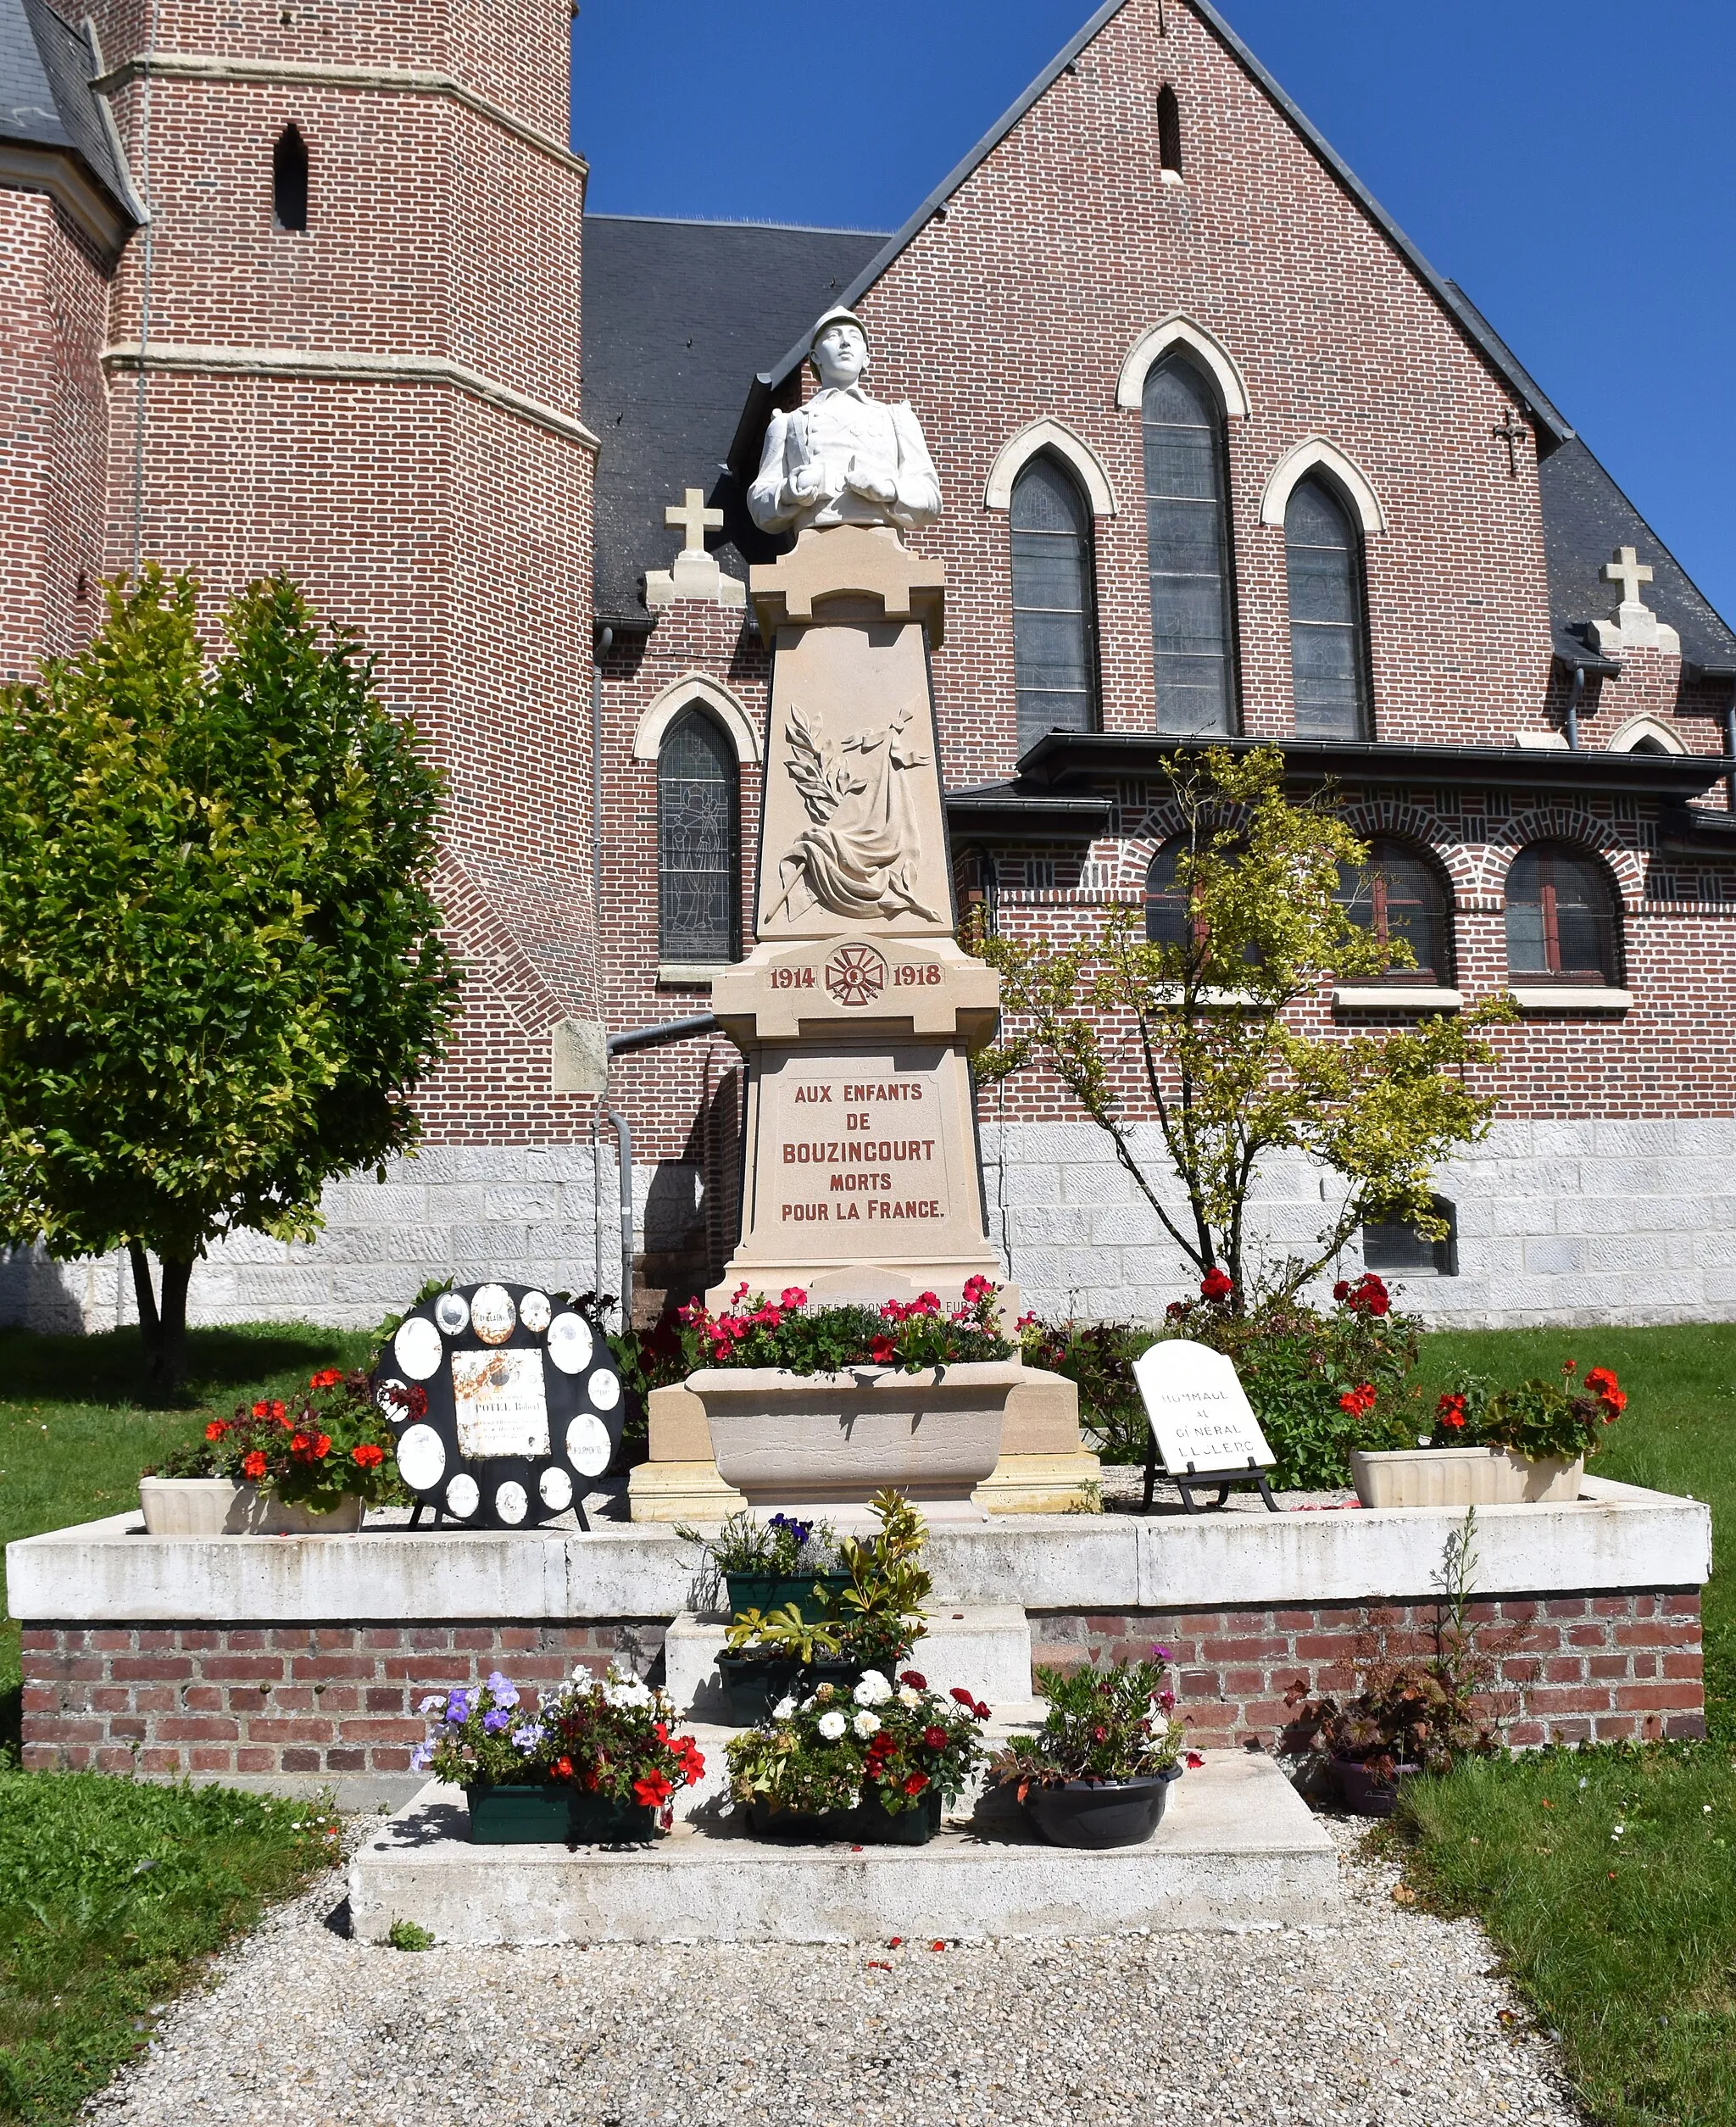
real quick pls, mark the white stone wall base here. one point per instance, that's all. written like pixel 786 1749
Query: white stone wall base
pixel 1587 1222
pixel 1236 1848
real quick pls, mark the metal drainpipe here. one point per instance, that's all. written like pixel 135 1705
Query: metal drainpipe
pixel 605 641
pixel 1576 695
pixel 628 1044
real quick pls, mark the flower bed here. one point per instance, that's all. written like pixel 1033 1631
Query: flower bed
pixel 598 1751
pixel 872 1763
pixel 329 1443
pixel 788 1335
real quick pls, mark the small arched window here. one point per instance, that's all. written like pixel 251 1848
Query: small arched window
pixel 289 180
pixel 1328 634
pixel 1398 894
pixel 1188 517
pixel 1166 919
pixel 1054 602
pixel 1562 924
pixel 976 881
pixel 1168 133
pixel 698 844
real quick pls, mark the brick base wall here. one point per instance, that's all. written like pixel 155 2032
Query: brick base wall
pixel 316 1699
pixel 1580 1668
pixel 325 1700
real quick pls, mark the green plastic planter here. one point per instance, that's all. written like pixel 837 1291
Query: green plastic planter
pixel 756 1682
pixel 554 1815
pixel 872 1825
pixel 765 1592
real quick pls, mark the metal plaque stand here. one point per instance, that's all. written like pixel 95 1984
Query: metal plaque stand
pixel 1225 1480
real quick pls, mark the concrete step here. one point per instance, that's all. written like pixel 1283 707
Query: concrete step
pixel 1236 1848
pixel 985 1650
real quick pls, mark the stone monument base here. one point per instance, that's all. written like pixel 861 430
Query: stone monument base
pixel 1043 1466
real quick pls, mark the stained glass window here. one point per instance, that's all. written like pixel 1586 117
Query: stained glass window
pixel 1328 640
pixel 1186 512
pixel 1055 601
pixel 698 843
pixel 1561 917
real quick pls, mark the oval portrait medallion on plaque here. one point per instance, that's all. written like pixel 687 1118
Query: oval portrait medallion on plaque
pixel 506 1411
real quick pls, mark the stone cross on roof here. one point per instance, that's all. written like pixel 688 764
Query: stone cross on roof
pixel 696 574
pixel 695 520
pixel 1627 568
pixel 1635 627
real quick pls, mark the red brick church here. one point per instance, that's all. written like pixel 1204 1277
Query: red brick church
pixel 1223 458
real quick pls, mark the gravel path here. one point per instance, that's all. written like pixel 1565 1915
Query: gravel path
pixel 1391 2022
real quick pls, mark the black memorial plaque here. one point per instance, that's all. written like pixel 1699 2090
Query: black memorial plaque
pixel 524 1405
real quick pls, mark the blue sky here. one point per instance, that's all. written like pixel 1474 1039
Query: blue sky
pixel 1568 161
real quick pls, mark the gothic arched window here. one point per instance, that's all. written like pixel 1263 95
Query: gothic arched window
pixel 1167 920
pixel 1398 895
pixel 289 180
pixel 698 844
pixel 1328 632
pixel 1054 602
pixel 1562 921
pixel 1188 517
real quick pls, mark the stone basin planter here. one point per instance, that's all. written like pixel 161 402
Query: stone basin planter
pixel 216 1506
pixel 1464 1477
pixel 834 1440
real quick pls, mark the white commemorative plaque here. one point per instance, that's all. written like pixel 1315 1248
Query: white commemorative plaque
pixel 1199 1411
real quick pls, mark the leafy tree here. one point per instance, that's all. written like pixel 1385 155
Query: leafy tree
pixel 1200 1034
pixel 221 974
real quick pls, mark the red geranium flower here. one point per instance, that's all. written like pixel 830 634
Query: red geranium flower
pixel 253 1466
pixel 367 1456
pixel 1450 1411
pixel 1359 1401
pixel 262 1409
pixel 653 1791
pixel 217 1429
pixel 329 1378
pixel 562 1769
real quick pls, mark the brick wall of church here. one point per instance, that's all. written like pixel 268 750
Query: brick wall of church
pixel 54 420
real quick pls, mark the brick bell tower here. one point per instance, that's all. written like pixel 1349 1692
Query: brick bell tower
pixel 348 347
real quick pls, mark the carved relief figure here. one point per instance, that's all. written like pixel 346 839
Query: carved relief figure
pixel 844 459
pixel 859 857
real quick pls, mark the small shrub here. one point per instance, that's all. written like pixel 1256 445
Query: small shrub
pixel 405 1935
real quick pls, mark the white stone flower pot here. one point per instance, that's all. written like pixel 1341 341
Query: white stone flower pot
pixel 834 1440
pixel 1464 1477
pixel 215 1507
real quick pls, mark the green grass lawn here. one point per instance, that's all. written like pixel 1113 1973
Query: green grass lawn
pixel 73 1441
pixel 111 1898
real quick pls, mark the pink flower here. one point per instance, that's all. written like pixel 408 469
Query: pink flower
pixel 793 1297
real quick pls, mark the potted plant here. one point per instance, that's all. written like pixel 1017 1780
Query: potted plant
pixel 1412 1715
pixel 766 1566
pixel 840 1403
pixel 1098 1772
pixel 1498 1447
pixel 872 1620
pixel 872 1764
pixel 594 1765
pixel 305 1467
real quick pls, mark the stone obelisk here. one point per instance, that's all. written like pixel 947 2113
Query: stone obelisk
pixel 857 1007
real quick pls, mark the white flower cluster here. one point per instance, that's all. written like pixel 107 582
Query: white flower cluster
pixel 874 1690
pixel 621 1688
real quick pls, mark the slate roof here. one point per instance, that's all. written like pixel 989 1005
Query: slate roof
pixel 1585 518
pixel 679 317
pixel 46 96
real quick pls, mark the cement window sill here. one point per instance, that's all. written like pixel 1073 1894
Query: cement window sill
pixel 690 973
pixel 1217 1000
pixel 1397 997
pixel 1550 997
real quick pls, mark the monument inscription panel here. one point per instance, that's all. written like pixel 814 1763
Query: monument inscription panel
pixel 856 1149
